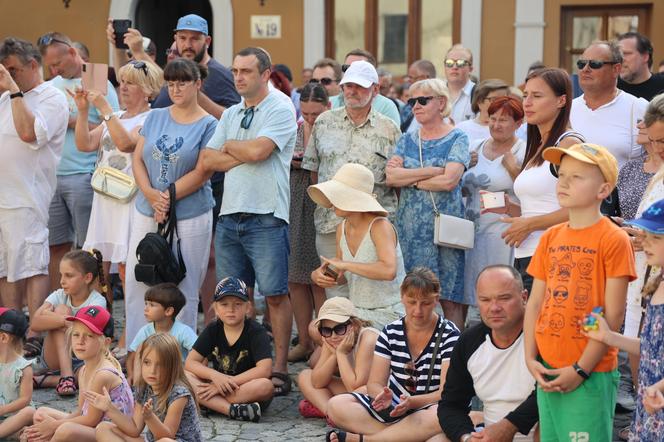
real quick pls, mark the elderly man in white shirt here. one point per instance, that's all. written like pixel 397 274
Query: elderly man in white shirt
pixel 33 118
pixel 458 66
pixel 604 114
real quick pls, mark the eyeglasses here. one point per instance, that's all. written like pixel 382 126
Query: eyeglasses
pixel 248 118
pixel 411 382
pixel 450 63
pixel 344 67
pixel 140 65
pixel 422 100
pixel 338 330
pixel 594 64
pixel 177 84
pixel 325 81
pixel 48 39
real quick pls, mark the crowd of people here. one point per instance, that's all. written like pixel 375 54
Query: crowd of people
pixel 346 204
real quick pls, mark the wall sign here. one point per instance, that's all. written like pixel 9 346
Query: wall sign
pixel 265 26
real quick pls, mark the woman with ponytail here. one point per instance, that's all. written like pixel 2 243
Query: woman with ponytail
pixel 80 271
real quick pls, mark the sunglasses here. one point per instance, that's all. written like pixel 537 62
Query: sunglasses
pixel 422 100
pixel 325 81
pixel 344 67
pixel 338 330
pixel 411 382
pixel 450 63
pixel 48 39
pixel 248 118
pixel 594 64
pixel 140 65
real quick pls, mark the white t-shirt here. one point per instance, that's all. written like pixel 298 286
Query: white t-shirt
pixel 612 125
pixel 461 108
pixel 59 297
pixel 28 176
pixel 475 131
pixel 535 187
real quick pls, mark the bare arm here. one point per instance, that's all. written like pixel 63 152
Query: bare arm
pixel 421 400
pixel 250 151
pixel 357 376
pixel 325 367
pixel 24 120
pixel 193 180
pixel 378 376
pixel 194 364
pixel 445 182
pixel 46 319
pixel 218 160
pixel 263 369
pixel 210 106
pixel 398 176
pixel 171 424
pixel 24 394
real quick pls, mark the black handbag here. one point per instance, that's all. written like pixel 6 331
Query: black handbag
pixel 156 261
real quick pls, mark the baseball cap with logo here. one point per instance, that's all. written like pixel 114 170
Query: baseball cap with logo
pixel 192 22
pixel 13 322
pixel 96 318
pixel 589 154
pixel 231 286
pixel 361 72
pixel 652 220
pixel 337 309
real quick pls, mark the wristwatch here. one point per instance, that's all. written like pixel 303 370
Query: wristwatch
pixel 107 117
pixel 580 371
pixel 16 95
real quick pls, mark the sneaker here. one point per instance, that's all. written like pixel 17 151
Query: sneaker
pixel 245 412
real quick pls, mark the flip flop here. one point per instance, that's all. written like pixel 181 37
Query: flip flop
pixel 341 435
pixel 285 388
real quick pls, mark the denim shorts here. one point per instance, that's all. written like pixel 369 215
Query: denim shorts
pixel 255 249
pixel 69 213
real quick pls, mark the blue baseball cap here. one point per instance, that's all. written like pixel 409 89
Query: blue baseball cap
pixel 231 286
pixel 652 220
pixel 192 22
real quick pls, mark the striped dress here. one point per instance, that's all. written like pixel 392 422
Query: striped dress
pixel 392 344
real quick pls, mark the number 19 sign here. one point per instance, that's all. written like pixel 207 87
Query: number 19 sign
pixel 265 26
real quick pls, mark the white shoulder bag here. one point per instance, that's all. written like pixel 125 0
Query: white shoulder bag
pixel 450 231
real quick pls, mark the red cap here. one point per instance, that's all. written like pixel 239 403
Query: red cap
pixel 96 318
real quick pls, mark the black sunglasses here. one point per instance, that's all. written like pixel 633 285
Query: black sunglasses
pixel 422 100
pixel 140 65
pixel 411 382
pixel 594 64
pixel 325 81
pixel 248 118
pixel 338 330
pixel 48 39
pixel 344 67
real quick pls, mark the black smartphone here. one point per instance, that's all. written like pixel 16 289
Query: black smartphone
pixel 120 28
pixel 331 272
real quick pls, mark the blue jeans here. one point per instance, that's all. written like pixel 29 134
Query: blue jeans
pixel 254 248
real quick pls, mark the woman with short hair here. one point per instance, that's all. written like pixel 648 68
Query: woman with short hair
pixel 477 128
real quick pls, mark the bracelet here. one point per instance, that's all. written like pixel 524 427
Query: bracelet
pixel 16 95
pixel 580 371
pixel 466 437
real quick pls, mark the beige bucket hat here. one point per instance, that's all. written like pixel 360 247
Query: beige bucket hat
pixel 351 189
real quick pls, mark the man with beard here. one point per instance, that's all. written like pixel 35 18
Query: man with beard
pixel 192 41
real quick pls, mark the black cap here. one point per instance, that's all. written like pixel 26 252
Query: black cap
pixel 13 322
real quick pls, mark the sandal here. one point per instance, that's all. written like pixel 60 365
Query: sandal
pixel 67 386
pixel 37 384
pixel 341 435
pixel 32 347
pixel 623 433
pixel 285 387
pixel 307 409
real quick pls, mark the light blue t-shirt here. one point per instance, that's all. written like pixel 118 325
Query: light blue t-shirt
pixel 380 104
pixel 171 151
pixel 59 297
pixel 74 161
pixel 181 332
pixel 262 187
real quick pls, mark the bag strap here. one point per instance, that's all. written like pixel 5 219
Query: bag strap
pixel 419 144
pixel 433 355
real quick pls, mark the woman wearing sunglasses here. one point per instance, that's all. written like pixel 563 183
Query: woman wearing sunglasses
pixel 168 152
pixel 347 346
pixel 428 165
pixel 115 140
pixel 408 369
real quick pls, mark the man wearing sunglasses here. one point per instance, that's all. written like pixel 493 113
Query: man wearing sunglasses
pixel 380 103
pixel 635 76
pixel 253 144
pixel 604 114
pixel 458 66
pixel 33 117
pixel 69 213
pixel 328 73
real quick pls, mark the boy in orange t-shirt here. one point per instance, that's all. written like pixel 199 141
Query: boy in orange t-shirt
pixel 578 265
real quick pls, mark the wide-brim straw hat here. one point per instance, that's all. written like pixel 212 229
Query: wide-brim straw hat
pixel 351 189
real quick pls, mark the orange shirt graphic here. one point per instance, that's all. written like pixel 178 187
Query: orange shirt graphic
pixel 575 264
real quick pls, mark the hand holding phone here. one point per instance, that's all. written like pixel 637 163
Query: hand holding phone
pixel 95 77
pixel 332 272
pixel 492 200
pixel 120 28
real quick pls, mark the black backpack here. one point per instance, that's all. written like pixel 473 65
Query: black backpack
pixel 156 261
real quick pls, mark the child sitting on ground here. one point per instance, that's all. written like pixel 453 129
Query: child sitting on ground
pixel 239 384
pixel 163 302
pixel 165 401
pixel 15 374
pixel 79 272
pixel 89 338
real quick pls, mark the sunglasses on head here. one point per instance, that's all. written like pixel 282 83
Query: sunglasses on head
pixel 344 67
pixel 422 100
pixel 48 39
pixel 248 118
pixel 338 330
pixel 140 65
pixel 450 63
pixel 411 382
pixel 325 81
pixel 594 64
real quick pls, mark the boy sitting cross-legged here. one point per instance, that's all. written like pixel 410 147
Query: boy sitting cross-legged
pixel 163 302
pixel 239 383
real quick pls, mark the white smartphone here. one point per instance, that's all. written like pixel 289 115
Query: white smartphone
pixel 492 200
pixel 95 77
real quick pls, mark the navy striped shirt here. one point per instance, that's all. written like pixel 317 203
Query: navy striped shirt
pixel 393 345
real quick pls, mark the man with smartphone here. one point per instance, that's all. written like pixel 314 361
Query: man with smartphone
pixel 33 117
pixel 69 213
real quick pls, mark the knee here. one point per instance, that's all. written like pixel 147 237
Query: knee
pixel 264 389
pixel 65 432
pixel 276 301
pixel 62 309
pixel 39 415
pixel 336 406
pixel 104 429
pixel 27 413
pixel 304 378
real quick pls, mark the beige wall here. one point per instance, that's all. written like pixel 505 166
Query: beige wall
pixel 289 49
pixel 84 21
pixel 552 18
pixel 498 39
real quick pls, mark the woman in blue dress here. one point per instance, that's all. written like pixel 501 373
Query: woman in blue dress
pixel 427 165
